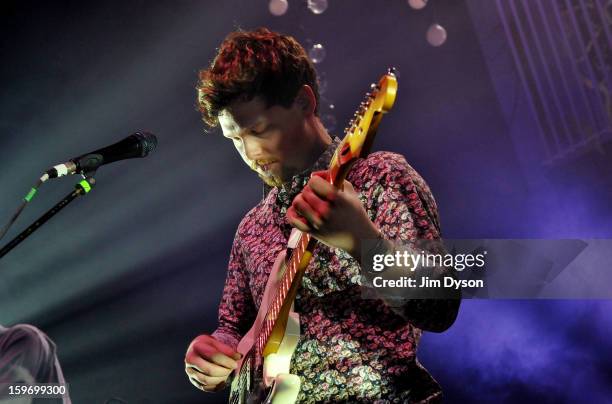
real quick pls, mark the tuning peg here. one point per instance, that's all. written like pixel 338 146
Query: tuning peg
pixel 392 70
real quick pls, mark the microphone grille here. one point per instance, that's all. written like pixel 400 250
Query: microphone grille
pixel 148 142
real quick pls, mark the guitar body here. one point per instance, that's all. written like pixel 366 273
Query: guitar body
pixel 275 385
pixel 285 386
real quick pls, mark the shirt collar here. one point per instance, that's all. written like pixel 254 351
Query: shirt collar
pixel 289 190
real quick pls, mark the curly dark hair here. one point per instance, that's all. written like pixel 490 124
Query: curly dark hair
pixel 257 63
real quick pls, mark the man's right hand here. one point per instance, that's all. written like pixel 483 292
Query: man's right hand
pixel 209 362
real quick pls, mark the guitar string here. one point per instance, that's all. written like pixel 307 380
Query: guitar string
pixel 242 377
pixel 234 396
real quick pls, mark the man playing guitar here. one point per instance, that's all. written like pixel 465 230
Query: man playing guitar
pixel 262 90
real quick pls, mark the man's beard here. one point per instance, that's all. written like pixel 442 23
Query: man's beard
pixel 267 177
pixel 270 180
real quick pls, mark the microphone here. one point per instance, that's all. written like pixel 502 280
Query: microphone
pixel 138 144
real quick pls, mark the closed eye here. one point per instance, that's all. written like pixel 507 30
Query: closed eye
pixel 258 131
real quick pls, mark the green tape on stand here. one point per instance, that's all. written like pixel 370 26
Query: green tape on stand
pixel 85 185
pixel 30 195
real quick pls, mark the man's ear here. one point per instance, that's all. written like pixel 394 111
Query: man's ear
pixel 305 100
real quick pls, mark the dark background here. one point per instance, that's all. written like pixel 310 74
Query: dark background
pixel 124 278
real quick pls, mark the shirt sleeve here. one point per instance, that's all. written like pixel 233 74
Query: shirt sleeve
pixel 236 310
pixel 404 210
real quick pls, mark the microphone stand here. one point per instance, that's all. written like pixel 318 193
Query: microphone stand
pixel 83 187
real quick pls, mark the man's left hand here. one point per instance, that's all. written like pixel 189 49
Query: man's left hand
pixel 334 217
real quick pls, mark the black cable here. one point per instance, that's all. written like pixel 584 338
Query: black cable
pixel 24 202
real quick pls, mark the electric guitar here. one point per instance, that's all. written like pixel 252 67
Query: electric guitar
pixel 263 374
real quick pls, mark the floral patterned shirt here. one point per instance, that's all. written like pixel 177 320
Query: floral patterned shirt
pixel 352 349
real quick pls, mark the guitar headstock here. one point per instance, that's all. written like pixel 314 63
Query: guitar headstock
pixel 359 134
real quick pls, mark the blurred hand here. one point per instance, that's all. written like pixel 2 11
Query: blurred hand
pixel 209 362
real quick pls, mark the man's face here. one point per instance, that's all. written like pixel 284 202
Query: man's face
pixel 272 141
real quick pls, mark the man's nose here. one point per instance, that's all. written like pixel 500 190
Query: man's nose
pixel 252 149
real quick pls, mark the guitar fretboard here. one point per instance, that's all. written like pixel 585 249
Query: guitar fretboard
pixel 282 290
